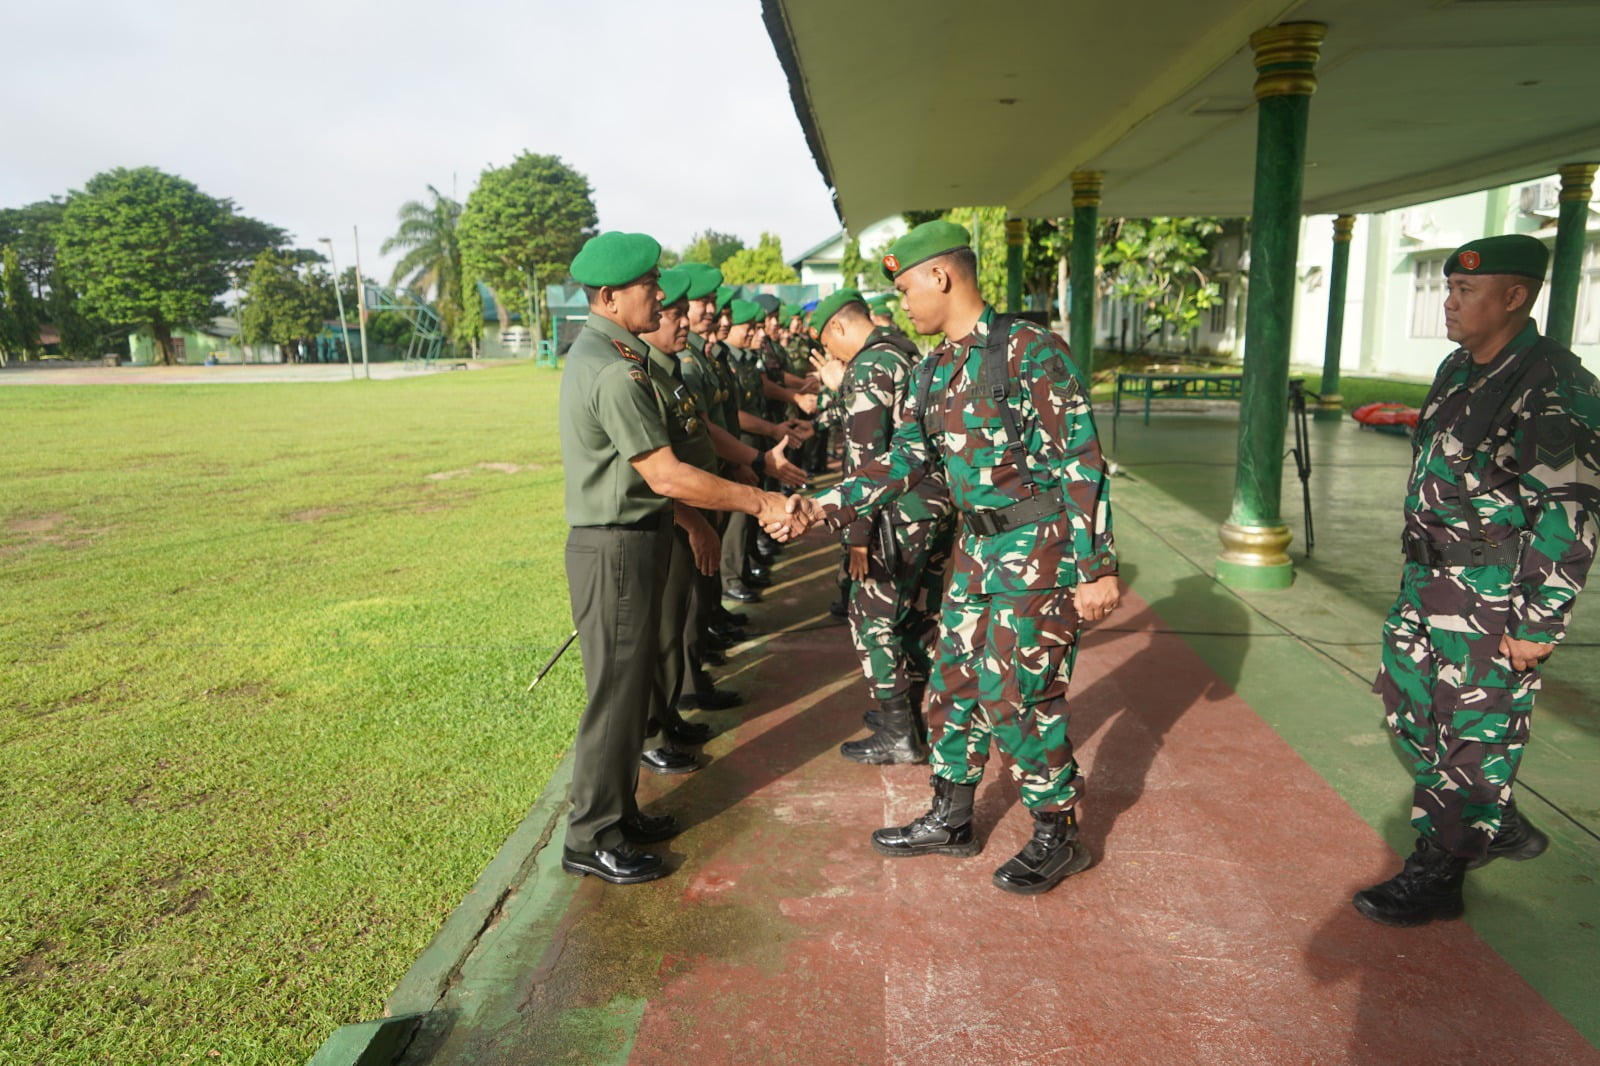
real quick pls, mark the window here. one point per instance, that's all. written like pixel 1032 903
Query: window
pixel 1427 296
pixel 180 349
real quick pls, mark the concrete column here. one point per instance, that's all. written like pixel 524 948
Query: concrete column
pixel 1566 265
pixel 1255 539
pixel 1016 237
pixel 1331 406
pixel 1085 235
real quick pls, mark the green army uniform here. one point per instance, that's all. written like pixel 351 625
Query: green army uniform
pixel 1525 495
pixel 1500 531
pixel 1008 634
pixel 618 547
pixel 745 364
pixel 894 610
pixel 1014 435
pixel 691 443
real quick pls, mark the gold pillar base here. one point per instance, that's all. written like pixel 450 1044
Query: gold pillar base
pixel 1254 557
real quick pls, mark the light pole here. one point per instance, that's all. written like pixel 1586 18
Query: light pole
pixel 344 328
pixel 361 305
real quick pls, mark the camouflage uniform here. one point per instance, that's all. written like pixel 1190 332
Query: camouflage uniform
pixel 894 611
pixel 1529 489
pixel 1009 626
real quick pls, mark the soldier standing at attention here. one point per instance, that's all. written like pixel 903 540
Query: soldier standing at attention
pixel 897 560
pixel 1499 534
pixel 998 406
pixel 621 479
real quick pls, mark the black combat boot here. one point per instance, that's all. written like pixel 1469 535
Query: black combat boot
pixel 1518 839
pixel 898 739
pixel 1428 887
pixel 1052 856
pixel 945 830
pixel 873 718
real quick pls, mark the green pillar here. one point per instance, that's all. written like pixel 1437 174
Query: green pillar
pixel 1254 538
pixel 1566 266
pixel 1085 234
pixel 1016 237
pixel 1331 406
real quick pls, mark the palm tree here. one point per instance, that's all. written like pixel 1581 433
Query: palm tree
pixel 431 264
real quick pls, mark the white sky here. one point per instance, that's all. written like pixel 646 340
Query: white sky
pixel 315 115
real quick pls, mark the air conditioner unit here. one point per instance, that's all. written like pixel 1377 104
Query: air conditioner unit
pixel 1541 198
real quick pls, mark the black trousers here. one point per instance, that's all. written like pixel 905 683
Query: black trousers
pixel 614 580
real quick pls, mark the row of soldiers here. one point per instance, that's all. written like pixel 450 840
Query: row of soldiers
pixel 684 409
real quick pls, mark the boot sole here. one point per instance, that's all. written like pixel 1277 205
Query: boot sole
pixel 1370 911
pixel 1081 861
pixel 960 851
pixel 879 761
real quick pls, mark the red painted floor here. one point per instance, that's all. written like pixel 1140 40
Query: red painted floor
pixel 1214 928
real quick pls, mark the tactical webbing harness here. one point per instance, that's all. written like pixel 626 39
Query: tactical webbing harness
pixel 995 372
pixel 1484 412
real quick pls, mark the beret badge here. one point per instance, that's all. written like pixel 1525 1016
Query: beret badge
pixel 1470 260
pixel 890 263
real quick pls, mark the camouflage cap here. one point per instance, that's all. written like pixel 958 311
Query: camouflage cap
pixel 745 311
pixel 674 285
pixel 1514 253
pixel 923 243
pixel 830 305
pixel 704 279
pixel 615 258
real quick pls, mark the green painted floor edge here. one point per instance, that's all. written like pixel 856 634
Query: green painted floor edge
pixel 1539 915
pixel 516 867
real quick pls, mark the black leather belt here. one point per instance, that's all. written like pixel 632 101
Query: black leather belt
pixel 1021 513
pixel 1461 552
pixel 651 524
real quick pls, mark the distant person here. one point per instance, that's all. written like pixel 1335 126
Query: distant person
pixel 1500 518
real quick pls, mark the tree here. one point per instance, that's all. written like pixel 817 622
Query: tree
pixel 284 304
pixel 1157 263
pixel 429 236
pixel 31 232
pixel 855 270
pixel 522 225
pixel 19 324
pixel 712 247
pixel 147 249
pixel 761 265
pixel 82 335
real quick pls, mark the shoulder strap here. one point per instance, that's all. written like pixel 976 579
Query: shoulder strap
pixel 1490 404
pixel 997 380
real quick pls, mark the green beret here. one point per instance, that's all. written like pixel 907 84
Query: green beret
pixel 923 243
pixel 745 311
pixel 704 279
pixel 788 311
pixel 674 285
pixel 769 303
pixel 615 258
pixel 1515 253
pixel 724 295
pixel 830 305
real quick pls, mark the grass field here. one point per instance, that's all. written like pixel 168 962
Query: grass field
pixel 262 722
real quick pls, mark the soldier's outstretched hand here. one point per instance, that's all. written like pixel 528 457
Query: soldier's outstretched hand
pixel 829 371
pixel 1096 599
pixel 780 466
